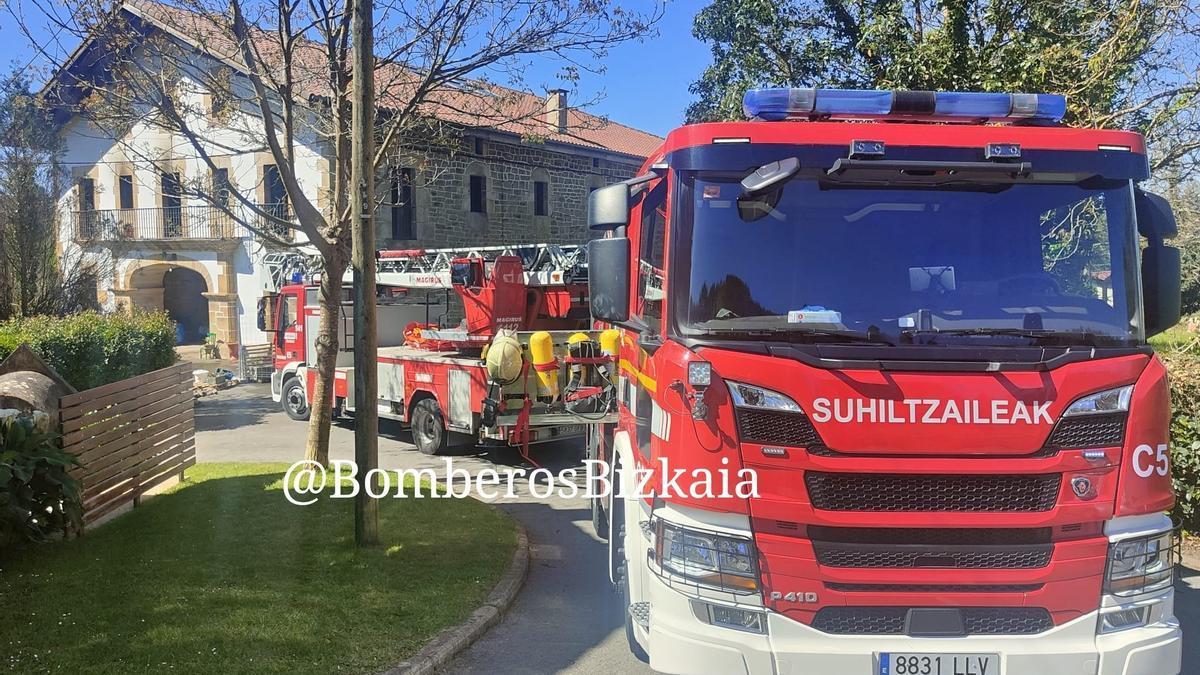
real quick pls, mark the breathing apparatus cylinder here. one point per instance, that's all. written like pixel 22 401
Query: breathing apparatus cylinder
pixel 541 353
pixel 580 345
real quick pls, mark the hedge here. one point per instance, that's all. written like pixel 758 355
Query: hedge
pixel 1183 366
pixel 90 349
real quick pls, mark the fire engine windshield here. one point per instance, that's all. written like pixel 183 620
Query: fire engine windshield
pixel 1021 263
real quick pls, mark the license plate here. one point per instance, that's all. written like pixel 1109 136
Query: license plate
pixel 920 663
pixel 568 430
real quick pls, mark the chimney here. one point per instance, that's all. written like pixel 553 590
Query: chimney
pixel 555 111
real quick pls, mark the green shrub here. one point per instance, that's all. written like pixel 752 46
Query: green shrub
pixel 1183 364
pixel 38 498
pixel 90 349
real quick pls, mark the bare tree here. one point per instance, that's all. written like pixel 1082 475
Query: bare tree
pixel 33 280
pixel 278 75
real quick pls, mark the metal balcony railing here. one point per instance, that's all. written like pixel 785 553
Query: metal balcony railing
pixel 273 218
pixel 179 222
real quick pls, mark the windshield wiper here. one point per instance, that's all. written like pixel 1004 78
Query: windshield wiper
pixel 802 335
pixel 1061 336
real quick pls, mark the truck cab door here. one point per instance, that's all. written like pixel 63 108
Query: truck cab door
pixel 289 336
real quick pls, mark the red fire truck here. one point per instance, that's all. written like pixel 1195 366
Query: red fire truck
pixel 919 321
pixel 439 313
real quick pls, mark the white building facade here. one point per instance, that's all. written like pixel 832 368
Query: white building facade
pixel 132 207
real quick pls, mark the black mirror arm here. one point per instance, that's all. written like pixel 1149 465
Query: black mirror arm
pixel 648 339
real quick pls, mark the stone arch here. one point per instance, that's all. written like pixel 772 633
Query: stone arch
pixel 182 291
pixel 135 266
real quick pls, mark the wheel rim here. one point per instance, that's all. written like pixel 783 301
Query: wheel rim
pixel 296 402
pixel 426 428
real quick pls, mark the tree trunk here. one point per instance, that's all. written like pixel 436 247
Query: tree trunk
pixel 317 445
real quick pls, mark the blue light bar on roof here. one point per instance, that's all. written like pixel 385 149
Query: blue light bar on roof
pixel 781 104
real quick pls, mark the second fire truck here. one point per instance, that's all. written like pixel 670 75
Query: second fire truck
pixel 476 344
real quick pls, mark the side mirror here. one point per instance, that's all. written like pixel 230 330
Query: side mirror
pixel 608 207
pixel 608 278
pixel 265 311
pixel 1161 273
pixel 1155 219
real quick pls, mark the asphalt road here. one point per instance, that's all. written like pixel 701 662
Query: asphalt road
pixel 566 618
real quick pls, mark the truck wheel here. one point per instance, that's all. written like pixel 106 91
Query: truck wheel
pixel 295 404
pixel 616 547
pixel 599 518
pixel 428 427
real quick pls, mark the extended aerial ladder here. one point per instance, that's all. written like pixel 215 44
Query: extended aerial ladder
pixel 543 265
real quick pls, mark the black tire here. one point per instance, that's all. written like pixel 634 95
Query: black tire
pixel 616 547
pixel 599 517
pixel 293 400
pixel 428 428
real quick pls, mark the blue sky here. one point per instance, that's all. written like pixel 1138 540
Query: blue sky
pixel 645 84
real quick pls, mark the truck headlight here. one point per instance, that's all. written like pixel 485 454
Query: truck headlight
pixel 1108 401
pixel 750 396
pixel 1141 565
pixel 707 558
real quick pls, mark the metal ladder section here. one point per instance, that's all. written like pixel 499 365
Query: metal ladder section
pixel 544 265
pixel 284 266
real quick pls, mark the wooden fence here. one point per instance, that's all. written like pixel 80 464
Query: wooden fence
pixel 129 436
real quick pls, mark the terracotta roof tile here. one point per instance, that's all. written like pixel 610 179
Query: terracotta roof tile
pixel 476 104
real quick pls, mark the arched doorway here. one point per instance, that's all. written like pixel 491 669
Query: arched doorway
pixel 178 290
pixel 183 298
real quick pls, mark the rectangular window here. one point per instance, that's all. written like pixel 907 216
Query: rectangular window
pixel 402 203
pixel 652 253
pixel 478 194
pixel 276 202
pixel 478 142
pixel 172 204
pixel 87 194
pixel 125 191
pixel 541 198
pixel 221 186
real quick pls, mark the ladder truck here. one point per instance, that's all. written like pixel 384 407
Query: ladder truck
pixel 919 319
pixel 476 345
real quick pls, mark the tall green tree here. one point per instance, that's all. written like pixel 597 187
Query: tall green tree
pixel 33 280
pixel 1122 63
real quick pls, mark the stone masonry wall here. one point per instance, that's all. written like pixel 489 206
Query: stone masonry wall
pixel 442 215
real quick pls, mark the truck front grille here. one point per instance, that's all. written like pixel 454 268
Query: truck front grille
pixel 932 588
pixel 893 620
pixel 1089 431
pixel 868 555
pixel 920 547
pixel 776 427
pixel 932 492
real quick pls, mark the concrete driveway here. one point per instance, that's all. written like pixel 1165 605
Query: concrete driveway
pixel 566 618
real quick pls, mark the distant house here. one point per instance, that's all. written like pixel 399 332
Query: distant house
pixel 519 181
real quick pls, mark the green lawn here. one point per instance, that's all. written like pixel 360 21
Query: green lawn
pixel 222 575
